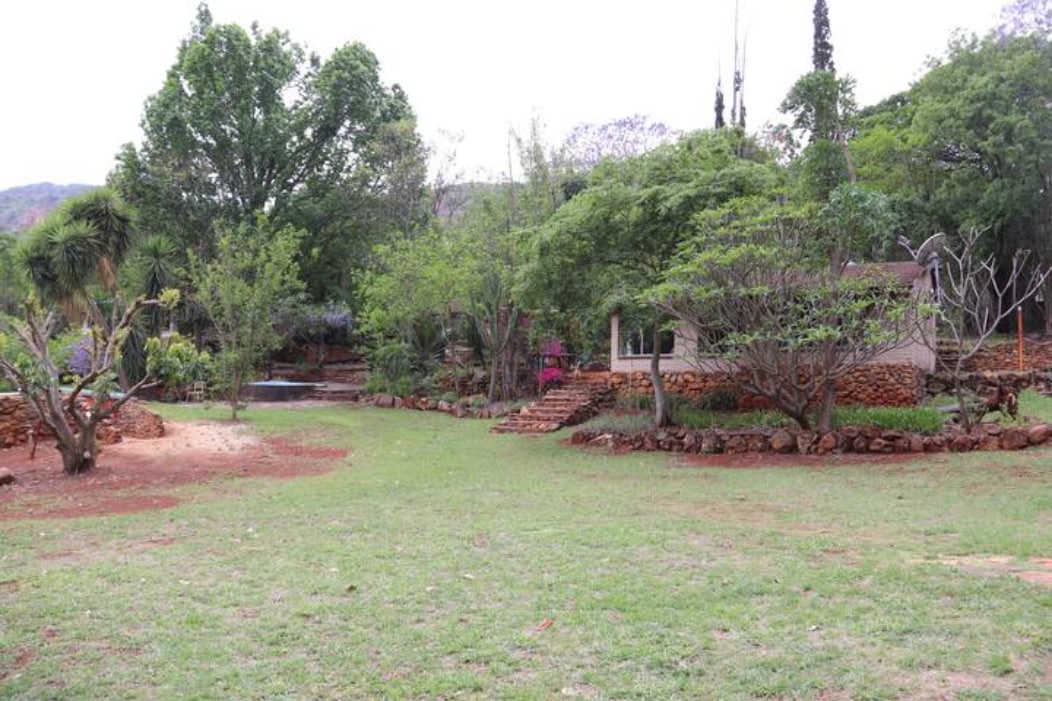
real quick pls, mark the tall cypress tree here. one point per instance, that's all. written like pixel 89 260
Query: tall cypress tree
pixel 822 52
pixel 720 121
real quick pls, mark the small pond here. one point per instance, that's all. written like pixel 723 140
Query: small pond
pixel 278 390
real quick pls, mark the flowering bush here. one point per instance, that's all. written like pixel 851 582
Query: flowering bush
pixel 549 376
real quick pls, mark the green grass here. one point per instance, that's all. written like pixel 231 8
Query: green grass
pixel 423 567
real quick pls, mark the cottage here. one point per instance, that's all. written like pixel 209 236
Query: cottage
pixel 893 377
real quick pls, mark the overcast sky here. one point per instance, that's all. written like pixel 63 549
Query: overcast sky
pixel 75 73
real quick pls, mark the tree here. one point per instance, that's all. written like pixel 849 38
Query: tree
pixel 248 122
pixel 771 313
pixel 822 49
pixel 612 242
pixel 983 117
pixel 72 416
pixel 974 298
pixel 252 276
pixel 588 144
pixel 79 244
pixel 718 107
pixel 1026 17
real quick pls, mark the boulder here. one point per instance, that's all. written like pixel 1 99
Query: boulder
pixel 1014 439
pixel 782 441
pixel 711 443
pixel 1038 434
pixel 827 443
pixel 805 441
pixel 879 445
pixel 961 443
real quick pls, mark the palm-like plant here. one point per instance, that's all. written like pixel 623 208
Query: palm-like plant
pixel 79 244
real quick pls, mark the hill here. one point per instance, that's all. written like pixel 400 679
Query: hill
pixel 22 207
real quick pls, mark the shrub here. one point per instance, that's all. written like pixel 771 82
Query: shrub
pixel 718 400
pixel 390 369
pixel 913 419
pixel 549 377
pixel 175 362
pixel 634 402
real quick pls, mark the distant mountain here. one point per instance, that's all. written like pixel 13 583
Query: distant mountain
pixel 22 207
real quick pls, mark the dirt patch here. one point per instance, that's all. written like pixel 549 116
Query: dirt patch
pixel 140 474
pixel 1036 570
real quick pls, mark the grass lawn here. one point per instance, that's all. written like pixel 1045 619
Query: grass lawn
pixel 440 561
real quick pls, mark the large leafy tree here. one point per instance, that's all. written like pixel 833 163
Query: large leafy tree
pixel 609 244
pixel 970 145
pixel 766 308
pixel 250 122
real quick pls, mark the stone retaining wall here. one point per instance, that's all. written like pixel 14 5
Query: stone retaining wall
pixel 133 420
pixel 868 385
pixel 869 440
pixel 1004 356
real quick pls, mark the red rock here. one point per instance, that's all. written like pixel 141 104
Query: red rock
pixel 1038 434
pixel 879 445
pixel 805 441
pixel 1014 439
pixel 782 442
pixel 827 444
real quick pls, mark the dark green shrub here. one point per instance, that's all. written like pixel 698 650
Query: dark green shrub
pixel 718 400
pixel 390 369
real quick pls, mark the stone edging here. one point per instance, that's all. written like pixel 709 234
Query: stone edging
pixel 870 440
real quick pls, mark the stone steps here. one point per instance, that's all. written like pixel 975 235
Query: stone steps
pixel 565 406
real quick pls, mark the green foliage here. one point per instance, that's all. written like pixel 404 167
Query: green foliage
pixel 81 243
pixel 253 276
pixel 970 145
pixel 177 364
pixel 391 368
pixel 926 420
pixel 759 297
pixel 249 121
pixel 719 400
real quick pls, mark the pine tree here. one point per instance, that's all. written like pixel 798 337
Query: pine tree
pixel 822 52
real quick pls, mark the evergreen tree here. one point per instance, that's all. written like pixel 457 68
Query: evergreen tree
pixel 822 52
pixel 720 121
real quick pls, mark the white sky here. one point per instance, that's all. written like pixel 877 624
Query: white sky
pixel 75 73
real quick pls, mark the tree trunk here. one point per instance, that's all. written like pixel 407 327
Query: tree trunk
pixel 79 455
pixel 235 394
pixel 827 402
pixel 826 406
pixel 661 417
pixel 494 368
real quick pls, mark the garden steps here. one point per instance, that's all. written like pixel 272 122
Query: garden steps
pixel 565 406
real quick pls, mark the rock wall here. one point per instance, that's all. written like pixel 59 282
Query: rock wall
pixel 867 440
pixel 1004 356
pixel 868 385
pixel 133 420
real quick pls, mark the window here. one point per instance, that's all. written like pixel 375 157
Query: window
pixel 639 341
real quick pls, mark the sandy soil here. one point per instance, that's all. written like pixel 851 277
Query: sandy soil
pixel 141 474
